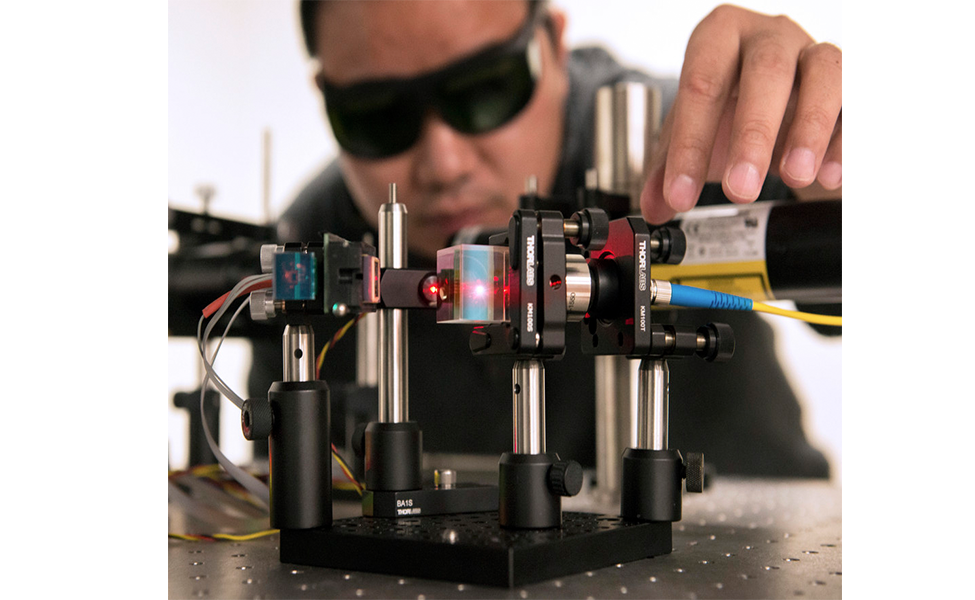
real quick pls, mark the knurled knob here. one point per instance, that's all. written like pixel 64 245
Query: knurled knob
pixel 255 419
pixel 694 471
pixel 720 342
pixel 565 478
pixel 359 439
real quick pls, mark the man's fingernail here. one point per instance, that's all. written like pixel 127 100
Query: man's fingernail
pixel 800 165
pixel 831 175
pixel 744 181
pixel 683 193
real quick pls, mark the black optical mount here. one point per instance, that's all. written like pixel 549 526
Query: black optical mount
pixel 295 419
pixel 609 288
pixel 652 473
pixel 544 250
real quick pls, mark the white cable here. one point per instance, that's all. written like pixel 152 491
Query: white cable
pixel 251 483
pixel 218 382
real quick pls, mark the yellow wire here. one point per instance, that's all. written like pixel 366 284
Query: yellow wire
pixel 795 314
pixel 348 473
pixel 245 537
pixel 225 536
pixel 338 336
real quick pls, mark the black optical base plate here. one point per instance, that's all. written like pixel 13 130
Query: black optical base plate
pixel 474 548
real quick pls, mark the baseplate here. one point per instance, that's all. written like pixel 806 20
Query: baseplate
pixel 474 548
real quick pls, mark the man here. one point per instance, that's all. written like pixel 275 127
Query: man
pixel 459 102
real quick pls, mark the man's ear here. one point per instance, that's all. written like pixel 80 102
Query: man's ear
pixel 558 22
pixel 315 73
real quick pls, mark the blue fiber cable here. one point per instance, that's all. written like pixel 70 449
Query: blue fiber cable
pixel 691 297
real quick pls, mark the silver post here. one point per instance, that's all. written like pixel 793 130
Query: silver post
pixel 367 344
pixel 654 411
pixel 617 415
pixel 393 363
pixel 298 350
pixel 628 118
pixel 528 395
pixel 628 121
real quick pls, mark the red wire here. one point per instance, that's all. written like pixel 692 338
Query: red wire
pixel 216 304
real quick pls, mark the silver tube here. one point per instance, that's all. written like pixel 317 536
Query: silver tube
pixel 298 351
pixel 392 232
pixel 578 287
pixel 393 376
pixel 367 343
pixel 654 411
pixel 367 351
pixel 528 395
pixel 628 117
pixel 617 416
pixel 607 438
pixel 393 357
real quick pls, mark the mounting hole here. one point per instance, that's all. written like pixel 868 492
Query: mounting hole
pixel 517 388
pixel 556 282
pixel 298 353
pixel 595 341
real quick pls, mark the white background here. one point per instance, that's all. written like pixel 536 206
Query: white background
pixel 238 69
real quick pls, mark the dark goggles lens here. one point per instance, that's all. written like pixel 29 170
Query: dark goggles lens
pixel 379 119
pixel 486 99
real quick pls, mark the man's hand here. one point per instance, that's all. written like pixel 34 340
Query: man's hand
pixel 756 95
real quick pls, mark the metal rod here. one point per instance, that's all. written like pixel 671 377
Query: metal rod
pixel 266 179
pixel 528 395
pixel 393 357
pixel 367 343
pixel 654 406
pixel 298 350
pixel 628 118
pixel 366 351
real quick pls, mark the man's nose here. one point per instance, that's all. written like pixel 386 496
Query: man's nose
pixel 444 156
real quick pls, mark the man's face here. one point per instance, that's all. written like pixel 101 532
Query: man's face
pixel 448 180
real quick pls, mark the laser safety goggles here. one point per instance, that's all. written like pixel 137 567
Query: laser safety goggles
pixel 384 117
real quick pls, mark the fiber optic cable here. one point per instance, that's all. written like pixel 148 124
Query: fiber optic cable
pixel 664 293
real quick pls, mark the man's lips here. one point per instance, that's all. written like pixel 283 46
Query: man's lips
pixel 458 217
pixel 450 222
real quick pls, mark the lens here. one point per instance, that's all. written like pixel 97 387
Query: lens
pixel 487 97
pixel 375 125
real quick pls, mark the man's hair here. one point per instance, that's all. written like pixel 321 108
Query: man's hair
pixel 308 12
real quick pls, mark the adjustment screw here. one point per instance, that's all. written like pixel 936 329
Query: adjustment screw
pixel 720 342
pixel 359 439
pixel 565 478
pixel 256 419
pixel 694 472
pixel 444 479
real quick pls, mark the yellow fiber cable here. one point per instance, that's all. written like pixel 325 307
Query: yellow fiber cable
pixel 795 314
